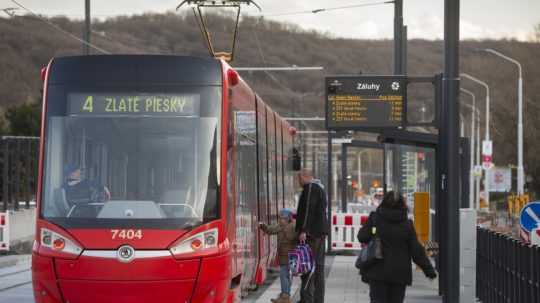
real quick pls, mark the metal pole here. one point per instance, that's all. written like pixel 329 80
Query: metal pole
pixel 404 50
pixel 344 179
pixel 451 145
pixel 279 69
pixel 486 133
pixel 520 170
pixel 474 111
pixel 86 46
pixel 398 37
pixel 478 162
pixel 486 86
pixel 330 190
pixel 462 126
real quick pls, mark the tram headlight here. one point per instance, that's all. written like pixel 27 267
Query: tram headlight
pixel 199 242
pixel 57 242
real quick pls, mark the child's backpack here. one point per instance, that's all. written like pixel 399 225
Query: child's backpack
pixel 301 260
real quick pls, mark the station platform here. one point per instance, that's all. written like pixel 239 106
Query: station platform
pixel 343 284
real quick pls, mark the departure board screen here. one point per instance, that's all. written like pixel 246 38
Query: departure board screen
pixel 356 102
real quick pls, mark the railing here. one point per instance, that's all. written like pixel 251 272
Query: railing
pixel 18 169
pixel 508 270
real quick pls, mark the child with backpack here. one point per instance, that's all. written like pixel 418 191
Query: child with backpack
pixel 287 240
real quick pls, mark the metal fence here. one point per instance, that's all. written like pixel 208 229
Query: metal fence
pixel 508 270
pixel 18 169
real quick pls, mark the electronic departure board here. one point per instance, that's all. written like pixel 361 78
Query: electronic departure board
pixel 356 102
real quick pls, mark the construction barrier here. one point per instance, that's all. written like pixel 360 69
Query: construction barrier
pixel 516 203
pixel 4 231
pixel 345 226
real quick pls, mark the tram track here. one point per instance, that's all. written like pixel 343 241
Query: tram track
pixel 18 277
pixel 14 273
pixel 15 286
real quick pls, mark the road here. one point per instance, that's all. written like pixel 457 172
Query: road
pixel 15 284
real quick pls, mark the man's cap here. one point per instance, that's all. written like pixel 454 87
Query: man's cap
pixel 70 168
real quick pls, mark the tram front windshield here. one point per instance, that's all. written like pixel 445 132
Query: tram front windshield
pixel 146 160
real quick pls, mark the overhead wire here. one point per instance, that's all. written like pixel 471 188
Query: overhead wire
pixel 323 10
pixel 272 77
pixel 56 27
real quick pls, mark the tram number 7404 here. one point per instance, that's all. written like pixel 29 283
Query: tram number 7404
pixel 126 234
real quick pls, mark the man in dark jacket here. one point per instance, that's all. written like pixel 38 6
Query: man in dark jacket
pixel 312 227
pixel 389 277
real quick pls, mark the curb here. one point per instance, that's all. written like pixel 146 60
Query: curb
pixel 12 260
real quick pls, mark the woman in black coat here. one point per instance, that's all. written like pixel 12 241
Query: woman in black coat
pixel 389 277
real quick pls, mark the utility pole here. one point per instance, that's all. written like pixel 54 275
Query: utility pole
pixel 398 37
pixel 86 46
pixel 399 58
pixel 450 144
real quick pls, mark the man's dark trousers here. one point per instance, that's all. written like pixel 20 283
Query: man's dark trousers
pixel 312 290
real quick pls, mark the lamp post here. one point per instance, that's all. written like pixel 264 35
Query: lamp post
pixel 486 134
pixel 475 144
pixel 471 170
pixel 520 170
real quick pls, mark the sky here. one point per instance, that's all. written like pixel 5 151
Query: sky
pixel 480 19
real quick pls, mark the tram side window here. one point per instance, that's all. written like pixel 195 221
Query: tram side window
pixel 279 166
pixel 242 172
pixel 262 171
pixel 271 158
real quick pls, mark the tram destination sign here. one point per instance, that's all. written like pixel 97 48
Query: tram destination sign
pixel 103 104
pixel 360 102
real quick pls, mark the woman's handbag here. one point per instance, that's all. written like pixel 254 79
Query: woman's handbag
pixel 372 253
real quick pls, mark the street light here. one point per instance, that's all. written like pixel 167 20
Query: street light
pixel 475 113
pixel 520 170
pixel 486 133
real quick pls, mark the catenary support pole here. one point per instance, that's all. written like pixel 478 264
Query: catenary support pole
pixel 330 189
pixel 87 30
pixel 398 37
pixel 451 145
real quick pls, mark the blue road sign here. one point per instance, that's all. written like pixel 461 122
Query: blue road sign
pixel 530 216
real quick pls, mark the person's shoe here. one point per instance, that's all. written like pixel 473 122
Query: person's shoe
pixel 276 300
pixel 286 299
pixel 283 298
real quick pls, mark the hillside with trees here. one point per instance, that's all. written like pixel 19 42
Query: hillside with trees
pixel 27 44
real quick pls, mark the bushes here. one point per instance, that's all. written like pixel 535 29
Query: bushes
pixel 22 120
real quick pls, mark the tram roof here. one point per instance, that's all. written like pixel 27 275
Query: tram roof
pixel 136 70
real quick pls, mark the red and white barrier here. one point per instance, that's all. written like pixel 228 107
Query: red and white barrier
pixel 345 226
pixel 4 231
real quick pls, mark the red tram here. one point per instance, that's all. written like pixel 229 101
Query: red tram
pixel 154 172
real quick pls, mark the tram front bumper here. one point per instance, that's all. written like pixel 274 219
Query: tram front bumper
pixel 81 291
